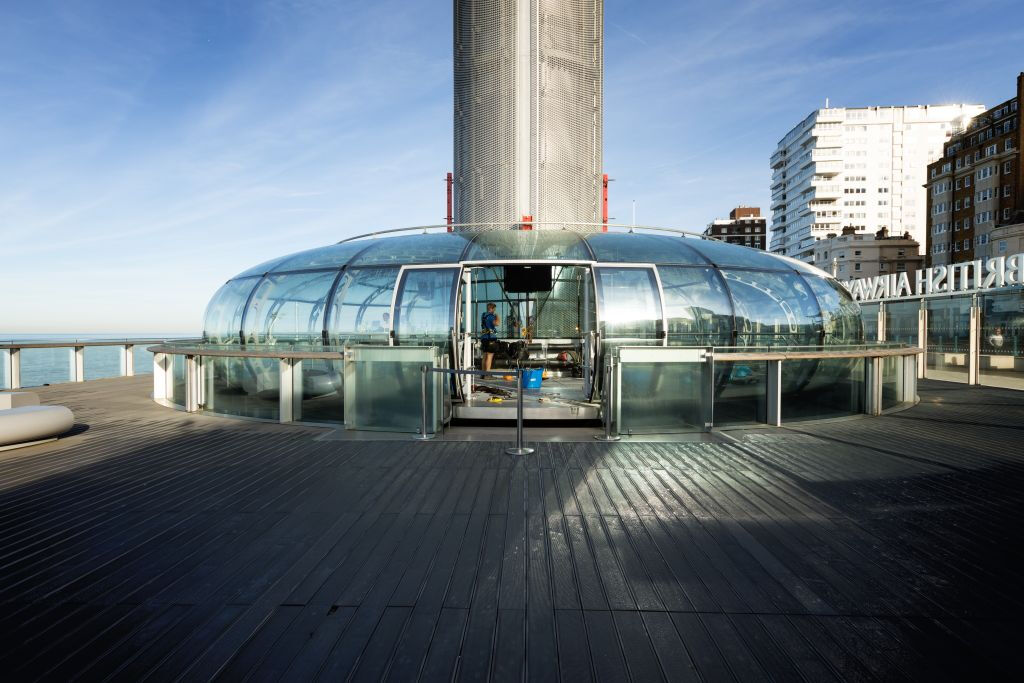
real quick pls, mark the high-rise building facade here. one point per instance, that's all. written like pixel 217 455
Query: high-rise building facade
pixel 745 226
pixel 528 110
pixel 975 191
pixel 862 168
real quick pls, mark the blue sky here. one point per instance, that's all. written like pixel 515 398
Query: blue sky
pixel 150 150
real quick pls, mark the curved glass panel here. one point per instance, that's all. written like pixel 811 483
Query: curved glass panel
pixel 624 247
pixel 629 304
pixel 797 264
pixel 334 256
pixel 288 309
pixel 841 316
pixel 259 269
pixel 697 307
pixel 773 309
pixel 434 247
pixel 425 307
pixel 223 319
pixel 527 244
pixel 724 254
pixel 361 310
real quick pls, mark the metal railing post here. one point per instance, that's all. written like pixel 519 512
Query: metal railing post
pixel 922 340
pixel 607 436
pixel 974 345
pixel 774 403
pixel 128 360
pixel 424 434
pixel 13 369
pixel 78 364
pixel 285 391
pixel 519 449
pixel 191 383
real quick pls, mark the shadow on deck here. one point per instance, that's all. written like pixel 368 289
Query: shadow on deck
pixel 160 544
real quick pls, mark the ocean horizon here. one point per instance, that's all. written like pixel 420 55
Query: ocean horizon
pixel 41 367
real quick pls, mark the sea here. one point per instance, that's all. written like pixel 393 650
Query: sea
pixel 41 367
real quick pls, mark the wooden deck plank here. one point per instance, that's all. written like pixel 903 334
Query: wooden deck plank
pixel 153 543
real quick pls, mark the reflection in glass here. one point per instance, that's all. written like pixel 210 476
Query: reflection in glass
pixel 741 392
pixel 869 316
pixel 223 319
pixel 841 315
pixel 660 397
pixel 901 322
pixel 612 247
pixel 288 309
pixel 833 387
pixel 949 325
pixel 319 393
pixel 773 309
pixel 383 388
pixel 333 256
pixel 892 381
pixel 361 311
pixel 520 245
pixel 1002 340
pixel 177 394
pixel 424 310
pixel 629 304
pixel 436 247
pixel 249 387
pixel 697 307
pixel 725 254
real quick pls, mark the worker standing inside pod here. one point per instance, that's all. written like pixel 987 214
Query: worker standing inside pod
pixel 489 322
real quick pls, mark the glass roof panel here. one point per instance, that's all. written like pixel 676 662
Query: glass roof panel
pixel 260 268
pixel 625 247
pixel 527 244
pixel 435 247
pixel 332 256
pixel 725 254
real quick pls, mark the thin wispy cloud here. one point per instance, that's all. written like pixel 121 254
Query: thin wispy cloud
pixel 149 151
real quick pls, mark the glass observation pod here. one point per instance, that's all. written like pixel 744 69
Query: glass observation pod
pixel 574 302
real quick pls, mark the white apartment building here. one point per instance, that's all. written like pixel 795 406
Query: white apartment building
pixel 862 167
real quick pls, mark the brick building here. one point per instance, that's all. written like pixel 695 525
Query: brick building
pixel 855 255
pixel 745 226
pixel 976 189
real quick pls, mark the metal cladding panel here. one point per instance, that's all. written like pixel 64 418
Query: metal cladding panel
pixel 535 63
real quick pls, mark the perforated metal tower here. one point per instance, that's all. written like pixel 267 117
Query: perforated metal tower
pixel 528 106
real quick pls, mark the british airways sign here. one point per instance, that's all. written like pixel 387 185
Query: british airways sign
pixel 970 276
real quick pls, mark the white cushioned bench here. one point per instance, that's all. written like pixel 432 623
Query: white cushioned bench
pixel 23 422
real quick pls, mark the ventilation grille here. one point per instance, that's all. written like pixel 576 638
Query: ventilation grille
pixel 563 164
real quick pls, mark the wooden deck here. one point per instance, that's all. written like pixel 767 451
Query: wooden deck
pixel 158 544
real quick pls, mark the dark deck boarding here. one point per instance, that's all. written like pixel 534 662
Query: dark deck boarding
pixel 158 544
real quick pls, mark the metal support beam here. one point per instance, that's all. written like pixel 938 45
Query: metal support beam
pixel 191 384
pixel 12 368
pixel 873 388
pixel 922 341
pixel 774 403
pixel 286 383
pixel 909 384
pixel 974 348
pixel 128 360
pixel 77 373
pixel 161 376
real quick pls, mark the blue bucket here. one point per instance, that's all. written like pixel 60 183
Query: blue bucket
pixel 532 378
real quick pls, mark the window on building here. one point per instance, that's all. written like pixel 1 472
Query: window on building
pixel 901 267
pixel 856 252
pixel 1006 214
pixel 956 205
pixel 967 245
pixel 958 184
pixel 856 266
pixel 1007 167
pixel 881 266
pixel 1006 190
pixel 1002 246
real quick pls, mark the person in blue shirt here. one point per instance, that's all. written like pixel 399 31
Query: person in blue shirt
pixel 489 322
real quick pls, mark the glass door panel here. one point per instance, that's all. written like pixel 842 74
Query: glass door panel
pixel 425 306
pixel 629 304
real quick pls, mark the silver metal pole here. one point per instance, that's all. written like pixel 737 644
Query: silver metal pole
pixel 424 435
pixel 607 436
pixel 519 448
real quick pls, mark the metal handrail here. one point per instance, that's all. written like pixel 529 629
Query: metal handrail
pixel 511 226
pixel 29 344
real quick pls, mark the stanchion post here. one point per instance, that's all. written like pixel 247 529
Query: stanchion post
pixel 424 434
pixel 519 449
pixel 607 436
